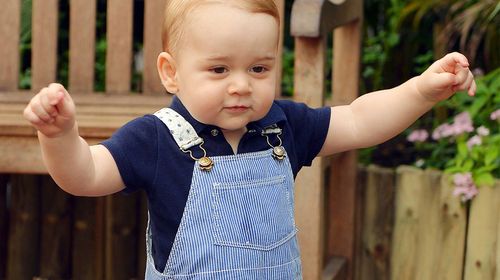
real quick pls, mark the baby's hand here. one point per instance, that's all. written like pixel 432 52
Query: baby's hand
pixel 51 111
pixel 445 77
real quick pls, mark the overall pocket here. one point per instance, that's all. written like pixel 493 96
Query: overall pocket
pixel 256 214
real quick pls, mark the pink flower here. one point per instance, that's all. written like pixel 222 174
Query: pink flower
pixel 442 131
pixel 483 131
pixel 495 115
pixel 474 141
pixel 464 186
pixel 419 135
pixel 462 123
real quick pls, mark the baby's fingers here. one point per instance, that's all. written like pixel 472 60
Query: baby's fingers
pixel 31 116
pixel 50 100
pixel 38 108
pixel 465 81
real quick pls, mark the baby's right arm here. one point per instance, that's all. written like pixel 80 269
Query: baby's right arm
pixel 75 166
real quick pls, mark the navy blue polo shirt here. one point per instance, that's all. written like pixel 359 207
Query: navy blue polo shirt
pixel 149 159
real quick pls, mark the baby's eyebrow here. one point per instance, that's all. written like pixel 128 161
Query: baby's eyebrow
pixel 226 57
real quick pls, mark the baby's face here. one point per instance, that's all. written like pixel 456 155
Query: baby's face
pixel 226 65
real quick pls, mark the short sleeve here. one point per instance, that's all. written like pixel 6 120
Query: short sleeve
pixel 309 128
pixel 134 148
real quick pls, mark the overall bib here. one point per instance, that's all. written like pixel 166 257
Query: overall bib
pixel 238 222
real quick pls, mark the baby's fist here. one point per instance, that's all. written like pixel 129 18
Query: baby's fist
pixel 51 111
pixel 445 77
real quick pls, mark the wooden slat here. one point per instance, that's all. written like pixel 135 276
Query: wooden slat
pixel 153 22
pixel 55 252
pixel 88 238
pixel 309 79
pixel 23 155
pixel 10 15
pixel 378 219
pixel 97 115
pixel 121 239
pixel 82 45
pixel 441 227
pixel 279 60
pixel 93 99
pixel 429 225
pixel 119 47
pixel 24 228
pixel 44 43
pixel 309 88
pixel 483 238
pixel 407 215
pixel 342 193
pixel 3 224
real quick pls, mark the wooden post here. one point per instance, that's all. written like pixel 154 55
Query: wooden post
pixel 309 191
pixel 342 193
pixel 119 49
pixel 44 43
pixel 10 15
pixel 88 239
pixel 55 252
pixel 121 238
pixel 153 15
pixel 24 228
pixel 483 238
pixel 3 224
pixel 377 223
pixel 82 45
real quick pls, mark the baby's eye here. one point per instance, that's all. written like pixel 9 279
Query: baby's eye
pixel 218 70
pixel 258 69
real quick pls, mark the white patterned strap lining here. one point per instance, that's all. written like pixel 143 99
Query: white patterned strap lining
pixel 184 134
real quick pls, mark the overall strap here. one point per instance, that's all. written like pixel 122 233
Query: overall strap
pixel 184 134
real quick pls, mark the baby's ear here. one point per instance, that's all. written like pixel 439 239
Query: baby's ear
pixel 167 70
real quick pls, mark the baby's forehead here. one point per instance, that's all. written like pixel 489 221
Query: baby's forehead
pixel 220 20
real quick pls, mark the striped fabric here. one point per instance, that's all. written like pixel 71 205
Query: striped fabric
pixel 238 223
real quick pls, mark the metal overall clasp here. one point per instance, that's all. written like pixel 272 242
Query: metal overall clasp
pixel 205 163
pixel 279 152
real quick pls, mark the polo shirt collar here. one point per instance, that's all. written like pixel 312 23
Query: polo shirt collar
pixel 274 116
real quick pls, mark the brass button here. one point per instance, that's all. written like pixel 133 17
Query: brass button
pixel 214 132
pixel 205 163
pixel 279 152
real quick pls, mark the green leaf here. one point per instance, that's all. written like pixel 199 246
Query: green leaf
pixel 484 179
pixel 462 149
pixel 491 155
pixel 468 165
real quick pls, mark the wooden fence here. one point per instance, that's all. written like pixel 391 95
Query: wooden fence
pixel 412 227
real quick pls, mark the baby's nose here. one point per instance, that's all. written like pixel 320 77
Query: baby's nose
pixel 240 84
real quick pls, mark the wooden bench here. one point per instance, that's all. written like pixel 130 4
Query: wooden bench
pixel 325 192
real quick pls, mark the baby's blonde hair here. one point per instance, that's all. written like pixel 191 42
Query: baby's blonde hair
pixel 176 12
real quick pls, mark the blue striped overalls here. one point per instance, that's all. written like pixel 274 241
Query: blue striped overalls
pixel 238 221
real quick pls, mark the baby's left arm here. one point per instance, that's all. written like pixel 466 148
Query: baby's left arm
pixel 378 116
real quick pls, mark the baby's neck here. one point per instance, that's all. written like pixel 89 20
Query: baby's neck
pixel 233 137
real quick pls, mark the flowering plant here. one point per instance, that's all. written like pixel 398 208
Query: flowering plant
pixel 466 145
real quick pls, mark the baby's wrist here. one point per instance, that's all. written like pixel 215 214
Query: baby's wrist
pixel 71 131
pixel 420 92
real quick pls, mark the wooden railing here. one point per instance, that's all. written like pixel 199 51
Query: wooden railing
pixel 45 232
